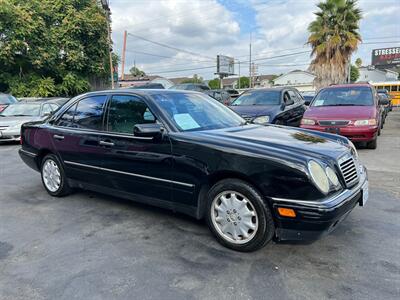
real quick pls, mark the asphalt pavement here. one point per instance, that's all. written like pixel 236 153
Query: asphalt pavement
pixel 90 246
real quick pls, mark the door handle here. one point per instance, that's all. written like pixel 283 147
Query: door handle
pixel 58 137
pixel 104 143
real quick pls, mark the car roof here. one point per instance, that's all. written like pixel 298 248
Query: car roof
pixel 350 85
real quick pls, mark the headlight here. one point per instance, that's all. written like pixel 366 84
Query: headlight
pixel 332 176
pixel 261 120
pixel 318 176
pixel 370 122
pixel 307 122
pixel 353 149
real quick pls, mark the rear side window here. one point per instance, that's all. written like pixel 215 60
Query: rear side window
pixel 86 114
pixel 125 112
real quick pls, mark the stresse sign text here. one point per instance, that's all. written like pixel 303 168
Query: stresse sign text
pixel 386 56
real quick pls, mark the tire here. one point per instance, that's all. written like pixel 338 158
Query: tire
pixel 229 225
pixel 379 131
pixel 56 186
pixel 372 144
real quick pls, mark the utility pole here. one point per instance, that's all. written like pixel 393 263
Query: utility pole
pixel 250 79
pixel 109 48
pixel 239 74
pixel 123 57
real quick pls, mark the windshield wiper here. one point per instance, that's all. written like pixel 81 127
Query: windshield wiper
pixel 21 115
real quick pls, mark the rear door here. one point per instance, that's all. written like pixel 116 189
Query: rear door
pixel 136 165
pixel 298 107
pixel 75 136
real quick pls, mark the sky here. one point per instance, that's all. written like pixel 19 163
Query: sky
pixel 193 32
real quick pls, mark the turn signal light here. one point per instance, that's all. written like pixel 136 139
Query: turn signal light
pixel 286 212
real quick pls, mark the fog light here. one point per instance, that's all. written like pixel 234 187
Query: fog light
pixel 286 212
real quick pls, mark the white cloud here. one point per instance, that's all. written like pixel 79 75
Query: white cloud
pixel 209 28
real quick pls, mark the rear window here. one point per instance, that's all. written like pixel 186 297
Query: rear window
pixel 345 96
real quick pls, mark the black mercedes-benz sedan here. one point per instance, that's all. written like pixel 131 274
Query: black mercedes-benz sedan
pixel 187 152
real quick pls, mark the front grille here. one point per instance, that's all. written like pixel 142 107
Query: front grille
pixel 334 123
pixel 348 167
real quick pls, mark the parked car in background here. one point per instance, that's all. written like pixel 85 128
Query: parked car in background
pixel 5 100
pixel 234 93
pixel 352 110
pixel 308 97
pixel 148 85
pixel 198 87
pixel 283 106
pixel 183 151
pixel 386 95
pixel 14 115
pixel 221 95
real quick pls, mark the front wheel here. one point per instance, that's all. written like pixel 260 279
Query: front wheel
pixel 53 176
pixel 238 216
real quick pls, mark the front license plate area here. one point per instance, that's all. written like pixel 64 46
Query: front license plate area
pixel 332 130
pixel 365 193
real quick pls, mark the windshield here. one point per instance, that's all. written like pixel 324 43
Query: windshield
pixel 21 110
pixel 346 96
pixel 195 112
pixel 190 87
pixel 7 99
pixel 259 98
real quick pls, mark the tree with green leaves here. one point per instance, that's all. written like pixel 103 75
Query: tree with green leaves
pixel 334 36
pixel 137 72
pixel 358 63
pixel 244 82
pixel 195 79
pixel 354 73
pixel 52 47
pixel 214 84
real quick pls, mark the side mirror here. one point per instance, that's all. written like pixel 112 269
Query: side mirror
pixel 307 102
pixel 147 130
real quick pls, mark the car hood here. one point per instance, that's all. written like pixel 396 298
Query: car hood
pixel 340 112
pixel 13 121
pixel 258 139
pixel 252 111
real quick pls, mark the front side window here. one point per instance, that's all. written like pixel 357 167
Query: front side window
pixel 259 98
pixel 125 111
pixel 67 119
pixel 345 96
pixel 195 112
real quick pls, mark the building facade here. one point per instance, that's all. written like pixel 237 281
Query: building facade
pixel 301 80
pixel 376 75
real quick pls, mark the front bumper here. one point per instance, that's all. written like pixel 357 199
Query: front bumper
pixel 317 218
pixel 10 135
pixel 353 133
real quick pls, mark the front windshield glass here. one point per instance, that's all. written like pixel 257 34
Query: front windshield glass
pixel 259 98
pixel 346 96
pixel 21 110
pixel 195 112
pixel 7 99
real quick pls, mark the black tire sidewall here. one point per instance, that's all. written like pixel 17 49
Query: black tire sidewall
pixel 266 228
pixel 64 188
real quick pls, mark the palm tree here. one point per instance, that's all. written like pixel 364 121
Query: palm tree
pixel 334 36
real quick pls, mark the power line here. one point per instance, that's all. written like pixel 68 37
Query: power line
pixel 169 47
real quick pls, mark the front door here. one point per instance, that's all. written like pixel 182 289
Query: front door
pixel 131 164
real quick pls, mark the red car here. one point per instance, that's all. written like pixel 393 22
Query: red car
pixel 351 110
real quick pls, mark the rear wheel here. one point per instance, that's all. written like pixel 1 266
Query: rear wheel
pixel 238 216
pixel 53 176
pixel 372 144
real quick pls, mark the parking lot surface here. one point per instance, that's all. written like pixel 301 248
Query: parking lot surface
pixel 90 246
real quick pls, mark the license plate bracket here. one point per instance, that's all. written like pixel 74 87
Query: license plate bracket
pixel 333 130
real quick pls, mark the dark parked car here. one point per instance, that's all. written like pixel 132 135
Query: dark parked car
pixel 6 100
pixel 283 106
pixel 198 87
pixel 184 151
pixel 220 95
pixel 308 97
pixel 149 85
pixel 14 115
pixel 385 95
pixel 352 110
